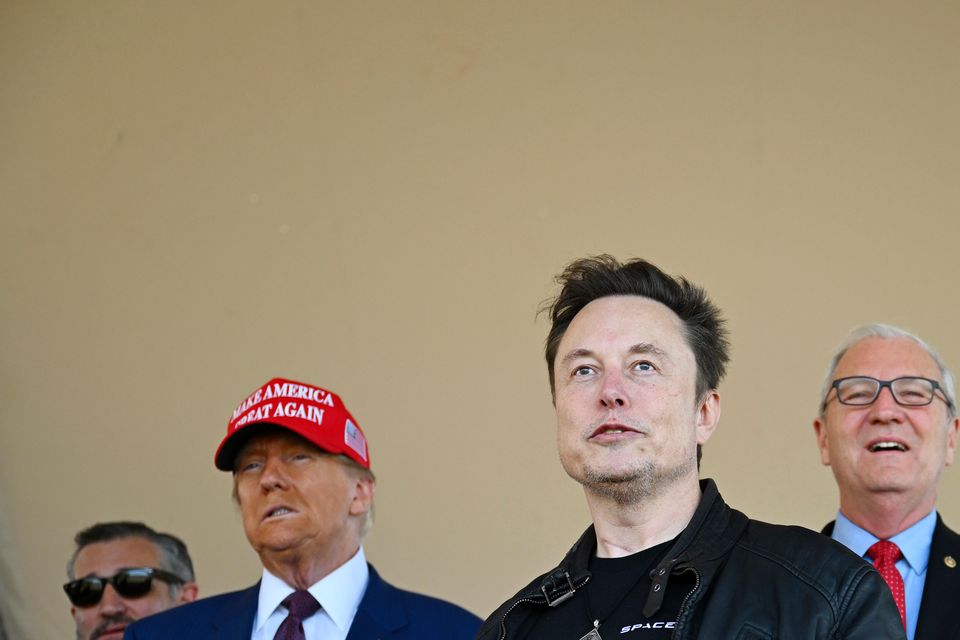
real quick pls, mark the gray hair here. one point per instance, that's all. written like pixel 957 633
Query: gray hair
pixel 174 556
pixel 886 331
pixel 365 474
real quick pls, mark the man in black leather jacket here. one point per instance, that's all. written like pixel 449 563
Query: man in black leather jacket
pixel 635 357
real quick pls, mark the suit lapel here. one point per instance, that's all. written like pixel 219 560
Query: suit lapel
pixel 380 612
pixel 938 618
pixel 235 618
pixel 366 627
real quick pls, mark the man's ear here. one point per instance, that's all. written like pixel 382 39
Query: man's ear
pixel 820 428
pixel 363 492
pixel 708 415
pixel 952 439
pixel 188 593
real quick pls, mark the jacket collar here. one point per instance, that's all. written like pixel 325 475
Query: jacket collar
pixel 380 612
pixel 940 588
pixel 711 532
pixel 234 619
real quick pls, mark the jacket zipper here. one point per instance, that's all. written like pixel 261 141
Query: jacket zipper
pixel 683 605
pixel 503 619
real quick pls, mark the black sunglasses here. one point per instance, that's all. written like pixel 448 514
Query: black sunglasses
pixel 129 583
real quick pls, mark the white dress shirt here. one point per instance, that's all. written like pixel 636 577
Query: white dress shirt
pixel 339 595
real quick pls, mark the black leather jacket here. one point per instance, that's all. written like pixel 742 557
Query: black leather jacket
pixel 753 581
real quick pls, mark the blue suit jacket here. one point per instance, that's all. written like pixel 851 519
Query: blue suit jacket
pixel 385 613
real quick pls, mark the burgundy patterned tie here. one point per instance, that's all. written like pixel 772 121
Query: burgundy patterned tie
pixel 301 606
pixel 885 555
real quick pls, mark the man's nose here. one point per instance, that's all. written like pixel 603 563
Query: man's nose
pixel 111 602
pixel 886 408
pixel 274 475
pixel 612 394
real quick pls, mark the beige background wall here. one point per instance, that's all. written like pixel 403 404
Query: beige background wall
pixel 374 197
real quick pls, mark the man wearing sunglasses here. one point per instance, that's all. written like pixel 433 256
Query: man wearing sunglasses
pixel 887 427
pixel 123 571
pixel 302 480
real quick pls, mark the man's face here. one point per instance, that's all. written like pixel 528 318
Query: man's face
pixel 848 435
pixel 297 501
pixel 628 420
pixel 109 617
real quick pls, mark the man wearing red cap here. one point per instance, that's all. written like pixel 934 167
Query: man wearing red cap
pixel 302 479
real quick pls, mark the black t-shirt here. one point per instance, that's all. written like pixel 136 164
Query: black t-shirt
pixel 615 596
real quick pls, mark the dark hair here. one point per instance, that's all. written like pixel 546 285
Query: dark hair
pixel 588 279
pixel 173 552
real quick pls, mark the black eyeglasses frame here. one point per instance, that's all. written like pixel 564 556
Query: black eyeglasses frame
pixel 835 386
pixel 75 588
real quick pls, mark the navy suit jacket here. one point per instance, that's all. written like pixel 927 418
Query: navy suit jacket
pixel 941 590
pixel 385 613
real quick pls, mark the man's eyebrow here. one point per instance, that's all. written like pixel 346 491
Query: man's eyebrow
pixel 247 452
pixel 576 354
pixel 644 348
pixel 641 348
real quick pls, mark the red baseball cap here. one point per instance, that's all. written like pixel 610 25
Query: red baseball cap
pixel 313 413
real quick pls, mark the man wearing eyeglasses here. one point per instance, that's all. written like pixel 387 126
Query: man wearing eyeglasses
pixel 887 428
pixel 123 571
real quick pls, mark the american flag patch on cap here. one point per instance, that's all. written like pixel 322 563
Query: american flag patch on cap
pixel 354 439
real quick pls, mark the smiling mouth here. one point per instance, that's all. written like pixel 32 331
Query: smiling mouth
pixel 887 445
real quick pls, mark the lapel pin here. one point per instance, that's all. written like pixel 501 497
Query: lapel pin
pixel 950 562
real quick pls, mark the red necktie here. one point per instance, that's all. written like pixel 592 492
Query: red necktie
pixel 301 606
pixel 885 555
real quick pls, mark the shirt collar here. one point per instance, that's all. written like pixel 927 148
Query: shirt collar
pixel 339 593
pixel 914 542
